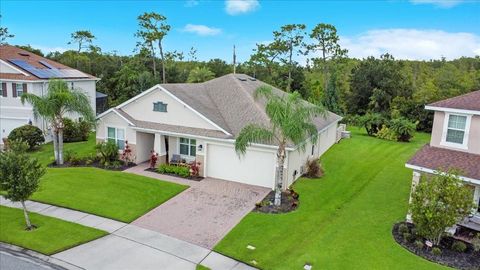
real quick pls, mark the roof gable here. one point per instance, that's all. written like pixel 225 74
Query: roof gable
pixel 469 101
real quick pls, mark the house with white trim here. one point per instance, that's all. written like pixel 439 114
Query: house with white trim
pixel 455 144
pixel 200 121
pixel 22 71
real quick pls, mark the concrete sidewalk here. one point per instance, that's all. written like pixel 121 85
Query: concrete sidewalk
pixel 129 246
pixel 89 220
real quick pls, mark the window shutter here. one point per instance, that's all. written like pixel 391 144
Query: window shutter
pixel 24 88
pixel 14 89
pixel 4 89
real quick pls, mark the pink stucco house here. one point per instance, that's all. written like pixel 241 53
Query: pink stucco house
pixel 455 144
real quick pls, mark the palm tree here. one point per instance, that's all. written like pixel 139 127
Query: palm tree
pixel 291 121
pixel 53 107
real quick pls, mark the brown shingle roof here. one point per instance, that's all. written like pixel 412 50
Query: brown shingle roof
pixel 8 52
pixel 228 101
pixel 435 158
pixel 470 101
pixel 173 128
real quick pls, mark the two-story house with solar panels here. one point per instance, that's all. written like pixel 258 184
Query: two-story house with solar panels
pixel 21 72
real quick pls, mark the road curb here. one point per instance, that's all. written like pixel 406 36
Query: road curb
pixel 38 257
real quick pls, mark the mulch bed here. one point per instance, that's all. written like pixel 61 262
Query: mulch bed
pixel 468 260
pixel 95 164
pixel 193 178
pixel 289 203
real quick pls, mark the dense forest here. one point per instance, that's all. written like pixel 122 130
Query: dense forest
pixel 383 87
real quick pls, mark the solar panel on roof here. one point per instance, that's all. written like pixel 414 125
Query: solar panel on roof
pixel 50 72
pixel 45 63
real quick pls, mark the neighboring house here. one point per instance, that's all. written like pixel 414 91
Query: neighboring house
pixel 455 144
pixel 200 121
pixel 22 71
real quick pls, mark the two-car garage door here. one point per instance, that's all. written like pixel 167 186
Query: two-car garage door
pixel 253 168
pixel 8 124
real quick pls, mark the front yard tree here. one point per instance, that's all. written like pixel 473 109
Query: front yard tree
pixel 439 202
pixel 54 106
pixel 19 175
pixel 291 121
pixel 153 28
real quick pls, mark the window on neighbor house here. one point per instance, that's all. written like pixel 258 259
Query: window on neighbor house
pixel 3 89
pixel 188 147
pixel 19 88
pixel 456 128
pixel 116 135
pixel 159 107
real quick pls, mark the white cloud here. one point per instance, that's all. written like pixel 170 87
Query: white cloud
pixel 412 44
pixel 438 3
pixel 191 3
pixel 202 30
pixel 47 49
pixel 236 7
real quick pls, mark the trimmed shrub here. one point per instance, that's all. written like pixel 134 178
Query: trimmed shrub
pixel 30 134
pixel 313 168
pixel 108 152
pixel 173 169
pixel 459 246
pixel 436 251
pixel 476 243
pixel 419 244
pixel 75 131
pixel 386 134
pixel 372 122
pixel 403 228
pixel 407 237
pixel 403 128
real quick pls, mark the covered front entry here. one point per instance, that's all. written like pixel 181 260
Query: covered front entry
pixel 145 145
pixel 254 168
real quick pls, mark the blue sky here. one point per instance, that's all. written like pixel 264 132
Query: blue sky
pixel 417 29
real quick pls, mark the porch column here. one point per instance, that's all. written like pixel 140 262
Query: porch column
pixel 415 180
pixel 476 198
pixel 159 148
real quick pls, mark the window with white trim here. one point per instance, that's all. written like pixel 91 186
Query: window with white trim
pixel 19 89
pixel 116 135
pixel 188 147
pixel 159 107
pixel 456 129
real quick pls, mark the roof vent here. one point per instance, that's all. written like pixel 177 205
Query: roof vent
pixel 24 54
pixel 252 79
pixel 242 79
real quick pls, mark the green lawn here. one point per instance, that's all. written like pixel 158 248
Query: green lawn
pixel 344 220
pixel 45 152
pixel 52 235
pixel 117 195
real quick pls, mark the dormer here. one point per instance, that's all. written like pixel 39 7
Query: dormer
pixel 456 123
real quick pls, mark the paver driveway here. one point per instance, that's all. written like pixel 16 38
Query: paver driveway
pixel 204 213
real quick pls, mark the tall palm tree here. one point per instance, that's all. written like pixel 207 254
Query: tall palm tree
pixel 54 106
pixel 291 121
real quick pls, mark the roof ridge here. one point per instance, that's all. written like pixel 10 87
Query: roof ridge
pixel 262 111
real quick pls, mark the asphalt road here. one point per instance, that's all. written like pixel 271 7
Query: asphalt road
pixel 9 261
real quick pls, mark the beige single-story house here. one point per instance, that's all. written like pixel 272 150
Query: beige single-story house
pixel 455 144
pixel 200 121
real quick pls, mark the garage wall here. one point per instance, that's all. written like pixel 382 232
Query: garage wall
pixel 298 158
pixel 256 167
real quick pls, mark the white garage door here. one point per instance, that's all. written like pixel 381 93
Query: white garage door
pixel 8 124
pixel 254 168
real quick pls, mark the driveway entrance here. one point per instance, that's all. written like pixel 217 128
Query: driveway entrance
pixel 204 213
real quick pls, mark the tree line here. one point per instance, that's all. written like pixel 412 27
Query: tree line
pixel 382 86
